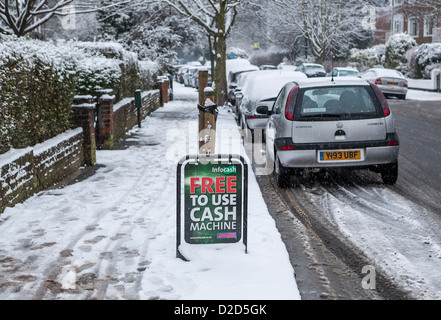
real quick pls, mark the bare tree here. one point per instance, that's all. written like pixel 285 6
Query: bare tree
pixel 329 25
pixel 217 18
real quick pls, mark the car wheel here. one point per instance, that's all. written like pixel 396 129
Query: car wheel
pixel 402 97
pixel 389 173
pixel 281 174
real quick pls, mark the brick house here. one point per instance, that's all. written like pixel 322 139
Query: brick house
pixel 421 19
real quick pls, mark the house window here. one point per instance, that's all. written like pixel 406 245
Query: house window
pixel 413 27
pixel 429 26
pixel 397 26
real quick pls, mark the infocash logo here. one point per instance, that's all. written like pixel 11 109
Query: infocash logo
pixel 225 170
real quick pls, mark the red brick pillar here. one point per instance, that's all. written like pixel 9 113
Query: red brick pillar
pixel 165 90
pixel 83 115
pixel 105 119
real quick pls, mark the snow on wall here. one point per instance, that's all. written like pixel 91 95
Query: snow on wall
pixel 27 171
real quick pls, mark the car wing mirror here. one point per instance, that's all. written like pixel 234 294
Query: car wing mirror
pixel 263 110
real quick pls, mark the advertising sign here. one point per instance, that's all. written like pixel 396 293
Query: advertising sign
pixel 212 200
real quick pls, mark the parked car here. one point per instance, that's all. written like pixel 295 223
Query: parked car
pixel 391 82
pixel 286 66
pixel 316 124
pixel 262 88
pixel 182 71
pixel 175 71
pixel 189 75
pixel 267 67
pixel 344 72
pixel 235 67
pixel 312 70
pixel 241 82
pixel 196 78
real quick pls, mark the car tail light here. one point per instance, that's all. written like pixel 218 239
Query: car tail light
pixel 378 81
pixel 287 148
pixel 290 103
pixel 393 143
pixel 251 117
pixel 382 99
pixel 406 84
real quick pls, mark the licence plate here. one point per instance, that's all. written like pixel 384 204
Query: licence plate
pixel 393 83
pixel 340 155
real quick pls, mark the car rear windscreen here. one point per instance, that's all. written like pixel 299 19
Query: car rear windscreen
pixel 343 102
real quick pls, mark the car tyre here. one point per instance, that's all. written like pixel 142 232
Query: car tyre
pixel 389 174
pixel 281 174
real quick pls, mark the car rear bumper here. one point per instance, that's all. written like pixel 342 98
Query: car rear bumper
pixel 309 158
pixel 307 155
pixel 392 89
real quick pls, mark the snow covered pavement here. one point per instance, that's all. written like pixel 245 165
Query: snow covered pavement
pixel 113 235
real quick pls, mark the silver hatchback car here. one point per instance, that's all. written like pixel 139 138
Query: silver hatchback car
pixel 326 123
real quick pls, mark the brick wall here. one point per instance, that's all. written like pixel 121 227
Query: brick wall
pixel 25 172
pixel 125 115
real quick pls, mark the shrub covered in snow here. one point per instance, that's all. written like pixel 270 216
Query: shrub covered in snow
pixel 427 57
pixel 106 65
pixel 37 88
pixel 368 58
pixel 396 48
pixel 38 81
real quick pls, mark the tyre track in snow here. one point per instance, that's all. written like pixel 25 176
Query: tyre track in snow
pixel 328 265
pixel 365 223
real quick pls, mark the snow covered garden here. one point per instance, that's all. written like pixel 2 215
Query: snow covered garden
pixel 402 53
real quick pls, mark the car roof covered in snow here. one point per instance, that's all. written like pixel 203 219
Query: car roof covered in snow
pixel 328 82
pixel 266 84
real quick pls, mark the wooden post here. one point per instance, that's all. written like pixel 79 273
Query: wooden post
pixel 207 120
pixel 207 133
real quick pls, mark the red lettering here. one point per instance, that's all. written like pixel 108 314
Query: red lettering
pixel 194 185
pixel 220 184
pixel 231 184
pixel 206 185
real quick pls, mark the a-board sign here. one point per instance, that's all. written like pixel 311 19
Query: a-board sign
pixel 212 200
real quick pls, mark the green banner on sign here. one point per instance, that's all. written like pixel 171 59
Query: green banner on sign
pixel 213 203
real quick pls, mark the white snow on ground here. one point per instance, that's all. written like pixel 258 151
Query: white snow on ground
pixel 423 95
pixel 400 238
pixel 113 235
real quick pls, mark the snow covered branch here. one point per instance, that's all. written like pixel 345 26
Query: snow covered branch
pixel 20 17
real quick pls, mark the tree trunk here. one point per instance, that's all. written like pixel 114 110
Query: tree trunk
pixel 221 56
pixel 221 72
